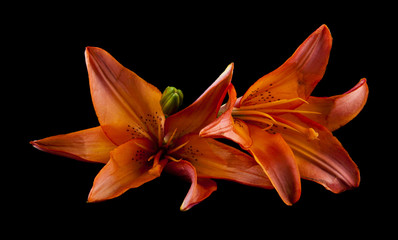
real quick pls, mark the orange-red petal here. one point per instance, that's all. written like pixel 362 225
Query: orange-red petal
pixel 336 111
pixel 200 188
pixel 204 110
pixel 277 159
pixel 127 168
pixel 323 160
pixel 225 126
pixel 126 105
pixel 213 159
pixel 90 145
pixel 298 76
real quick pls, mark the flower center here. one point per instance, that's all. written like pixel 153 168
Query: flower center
pixel 164 151
pixel 169 148
pixel 261 114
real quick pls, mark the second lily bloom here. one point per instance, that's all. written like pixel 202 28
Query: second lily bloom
pixel 286 130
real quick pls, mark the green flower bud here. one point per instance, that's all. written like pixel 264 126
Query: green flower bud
pixel 171 100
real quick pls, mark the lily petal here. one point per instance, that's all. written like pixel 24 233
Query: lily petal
pixel 200 188
pixel 127 168
pixel 127 106
pixel 278 162
pixel 323 160
pixel 90 145
pixel 298 76
pixel 336 111
pixel 204 110
pixel 225 126
pixel 213 159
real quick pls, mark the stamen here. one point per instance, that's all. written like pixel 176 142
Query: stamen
pixel 291 111
pixel 151 157
pixel 271 104
pixel 177 148
pixel 312 134
pixel 265 121
pixel 237 112
pixel 172 159
pixel 309 132
pixel 143 147
pixel 267 128
pixel 168 142
pixel 157 158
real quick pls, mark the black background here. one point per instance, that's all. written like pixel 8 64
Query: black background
pixel 188 46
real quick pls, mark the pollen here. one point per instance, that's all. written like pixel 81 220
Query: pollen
pixel 312 134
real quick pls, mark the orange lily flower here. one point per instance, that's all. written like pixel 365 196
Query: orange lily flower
pixel 137 142
pixel 289 132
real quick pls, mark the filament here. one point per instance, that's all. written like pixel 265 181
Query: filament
pixel 172 159
pixel 168 142
pixel 238 112
pixel 272 104
pixel 142 146
pixel 177 148
pixel 264 118
pixel 291 111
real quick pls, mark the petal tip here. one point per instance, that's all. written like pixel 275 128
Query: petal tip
pixel 93 196
pixel 90 49
pixel 324 29
pixel 185 207
pixel 323 33
pixel 90 199
pixel 228 71
pixel 93 52
pixel 36 144
pixel 292 197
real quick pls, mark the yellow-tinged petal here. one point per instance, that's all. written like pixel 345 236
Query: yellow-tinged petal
pixel 126 105
pixel 228 127
pixel 298 76
pixel 204 110
pixel 277 159
pixel 87 145
pixel 213 159
pixel 200 188
pixel 323 160
pixel 127 168
pixel 336 111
